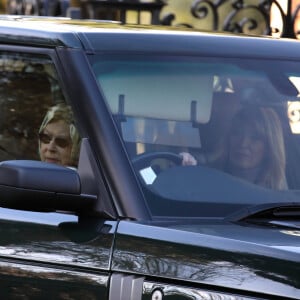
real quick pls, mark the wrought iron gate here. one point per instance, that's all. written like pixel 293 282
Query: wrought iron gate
pixel 268 17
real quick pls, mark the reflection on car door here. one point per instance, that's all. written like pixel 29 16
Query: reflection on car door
pixel 52 256
pixel 43 255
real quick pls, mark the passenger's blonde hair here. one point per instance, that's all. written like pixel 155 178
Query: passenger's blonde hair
pixel 64 112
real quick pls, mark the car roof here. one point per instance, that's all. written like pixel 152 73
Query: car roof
pixel 93 35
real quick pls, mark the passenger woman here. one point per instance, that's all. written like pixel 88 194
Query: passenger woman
pixel 59 141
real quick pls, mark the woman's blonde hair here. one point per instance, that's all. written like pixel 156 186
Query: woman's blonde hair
pixel 64 112
pixel 266 123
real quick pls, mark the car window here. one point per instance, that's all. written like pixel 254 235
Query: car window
pixel 36 123
pixel 207 136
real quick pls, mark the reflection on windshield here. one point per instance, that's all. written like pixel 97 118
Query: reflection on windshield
pixel 236 121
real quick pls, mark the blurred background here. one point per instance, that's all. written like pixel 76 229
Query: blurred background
pixel 263 17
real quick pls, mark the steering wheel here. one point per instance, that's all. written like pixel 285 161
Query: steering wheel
pixel 144 160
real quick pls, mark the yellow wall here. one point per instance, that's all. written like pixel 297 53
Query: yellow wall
pixel 2 6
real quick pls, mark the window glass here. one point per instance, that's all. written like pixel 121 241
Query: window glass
pixel 206 136
pixel 36 123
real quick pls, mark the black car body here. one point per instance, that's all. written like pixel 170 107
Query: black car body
pixel 131 222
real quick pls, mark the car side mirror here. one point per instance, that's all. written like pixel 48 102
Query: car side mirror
pixel 39 186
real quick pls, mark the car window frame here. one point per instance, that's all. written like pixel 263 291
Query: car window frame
pixel 52 54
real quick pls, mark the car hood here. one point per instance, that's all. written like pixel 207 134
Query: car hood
pixel 248 258
pixel 285 238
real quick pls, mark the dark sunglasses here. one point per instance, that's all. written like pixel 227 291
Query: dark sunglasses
pixel 59 141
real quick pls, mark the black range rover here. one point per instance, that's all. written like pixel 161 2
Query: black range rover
pixel 145 163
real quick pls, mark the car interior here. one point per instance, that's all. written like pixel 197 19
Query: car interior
pixel 163 109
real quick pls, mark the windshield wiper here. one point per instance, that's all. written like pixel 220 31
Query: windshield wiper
pixel 285 224
pixel 273 214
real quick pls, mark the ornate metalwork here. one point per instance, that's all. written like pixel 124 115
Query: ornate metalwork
pixel 241 16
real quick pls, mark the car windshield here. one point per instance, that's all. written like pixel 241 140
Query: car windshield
pixel 207 136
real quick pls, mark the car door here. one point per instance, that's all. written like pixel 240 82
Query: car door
pixel 43 255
